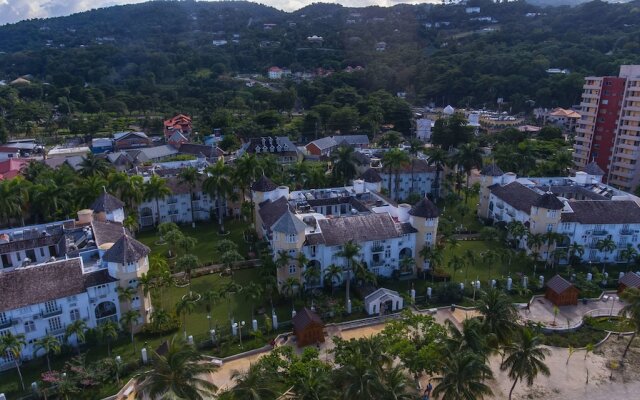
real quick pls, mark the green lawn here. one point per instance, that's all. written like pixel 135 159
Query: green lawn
pixel 206 233
pixel 463 215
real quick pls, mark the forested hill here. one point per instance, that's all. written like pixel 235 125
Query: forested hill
pixel 163 50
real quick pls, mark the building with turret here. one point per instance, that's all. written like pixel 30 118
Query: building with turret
pixel 581 209
pixel 54 274
pixel 317 223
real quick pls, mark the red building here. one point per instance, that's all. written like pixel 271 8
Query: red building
pixel 11 168
pixel 180 123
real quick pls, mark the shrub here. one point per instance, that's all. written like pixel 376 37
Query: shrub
pixel 171 324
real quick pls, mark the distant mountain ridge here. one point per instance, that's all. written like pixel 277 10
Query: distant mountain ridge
pixel 551 3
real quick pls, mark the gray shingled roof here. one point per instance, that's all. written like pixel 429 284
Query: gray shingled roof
pixel 593 169
pixel 425 209
pixel 271 211
pixel 289 224
pixel 371 176
pixel 263 184
pixel 516 195
pixel 630 279
pixel 491 170
pixel 106 203
pixel 360 228
pixel 40 283
pixel 126 250
pixel 549 201
pixel 99 277
pixel 324 143
pixel 351 139
pixel 603 212
pixel 107 232
pixel 558 284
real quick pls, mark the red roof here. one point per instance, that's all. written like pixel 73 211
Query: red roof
pixel 10 168
pixel 179 119
pixel 275 69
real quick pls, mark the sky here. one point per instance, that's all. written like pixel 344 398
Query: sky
pixel 17 10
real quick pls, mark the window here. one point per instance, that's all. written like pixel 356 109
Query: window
pixel 42 252
pixel 387 253
pixel 50 306
pixel 74 314
pixel 605 102
pixel 291 238
pixel 55 324
pixel 549 227
pixel 551 213
pixel 29 326
pixel 292 269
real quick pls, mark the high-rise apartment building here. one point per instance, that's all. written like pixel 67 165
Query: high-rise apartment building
pixel 609 130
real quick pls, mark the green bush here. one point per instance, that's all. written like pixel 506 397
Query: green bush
pixel 172 324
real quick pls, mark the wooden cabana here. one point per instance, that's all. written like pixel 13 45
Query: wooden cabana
pixel 561 292
pixel 308 328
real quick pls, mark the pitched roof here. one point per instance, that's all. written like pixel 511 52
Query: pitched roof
pixel 549 201
pixel 375 295
pixel 289 224
pixel 351 139
pixel 40 283
pixel 99 277
pixel 359 228
pixel 126 250
pixel 154 153
pixel 107 231
pixel 197 149
pixel 603 212
pixel 271 144
pixel 263 184
pixel 371 176
pixel 123 135
pixel 630 279
pixel 324 143
pixel 558 284
pixel 271 211
pixel 516 195
pixel 304 318
pixel 425 209
pixel 491 170
pixel 106 203
pixel 593 169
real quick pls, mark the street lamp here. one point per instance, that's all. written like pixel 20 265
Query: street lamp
pixel 239 327
pixel 612 303
pixel 209 321
pixel 118 361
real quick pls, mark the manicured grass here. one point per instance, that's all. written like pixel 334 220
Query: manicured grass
pixel 580 338
pixel 462 214
pixel 613 324
pixel 206 233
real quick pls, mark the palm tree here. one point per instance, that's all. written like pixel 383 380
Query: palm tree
pixel 629 254
pixel 437 158
pixel 394 160
pixel 12 345
pixel 415 146
pixel 535 241
pixel 314 383
pixel 108 331
pixel 77 328
pixel 517 231
pixel 463 375
pixel 49 344
pixel 92 165
pixel 178 374
pixel 499 316
pixel 252 384
pixel 155 189
pixel 289 287
pixel 191 177
pixel 332 274
pixel 489 257
pixel 631 310
pixel 130 320
pixel 11 199
pixel 456 263
pixel 129 188
pixel 576 251
pixel 218 185
pixel 49 199
pixel 344 164
pixel 468 157
pixel 254 291
pixel 126 294
pixel 187 263
pixel 184 307
pixel 524 358
pixel 349 251
pixel 606 246
pixel 246 172
pixel 394 384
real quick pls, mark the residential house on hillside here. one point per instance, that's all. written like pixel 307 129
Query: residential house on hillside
pixel 130 140
pixel 12 167
pixel 416 177
pixel 324 146
pixel 179 124
pixel 280 146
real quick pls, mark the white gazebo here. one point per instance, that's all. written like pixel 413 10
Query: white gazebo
pixel 383 301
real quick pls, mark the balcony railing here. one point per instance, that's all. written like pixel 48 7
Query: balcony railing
pixel 599 232
pixel 377 249
pixel 378 263
pixel 627 232
pixel 51 312
pixel 6 323
pixel 54 332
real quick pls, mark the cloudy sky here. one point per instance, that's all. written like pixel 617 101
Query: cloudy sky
pixel 17 10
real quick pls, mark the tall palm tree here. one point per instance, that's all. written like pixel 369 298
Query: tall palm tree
pixel 246 170
pixel 349 252
pixel 49 199
pixel 92 165
pixel 394 384
pixel 155 189
pixel 12 345
pixel 185 307
pixel 129 320
pixel 489 257
pixel 394 160
pixel 468 157
pixel 108 331
pixel 605 246
pixel 344 164
pixel 332 274
pixel 130 189
pixel 10 200
pixel 437 158
pixel 289 288
pixel 631 310
pixel 517 231
pixel 629 254
pixel 178 374
pixel 218 185
pixel 187 263
pixel 50 344
pixel 190 176
pixel 456 263
pixel 89 188
pixel 535 242
pixel 415 146
pixel 126 294
pixel 499 316
pixel 314 383
pixel 463 376
pixel 77 328
pixel 253 291
pixel 524 358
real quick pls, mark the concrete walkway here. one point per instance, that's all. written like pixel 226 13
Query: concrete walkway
pixel 542 310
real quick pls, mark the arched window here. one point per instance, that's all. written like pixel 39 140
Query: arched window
pixel 105 309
